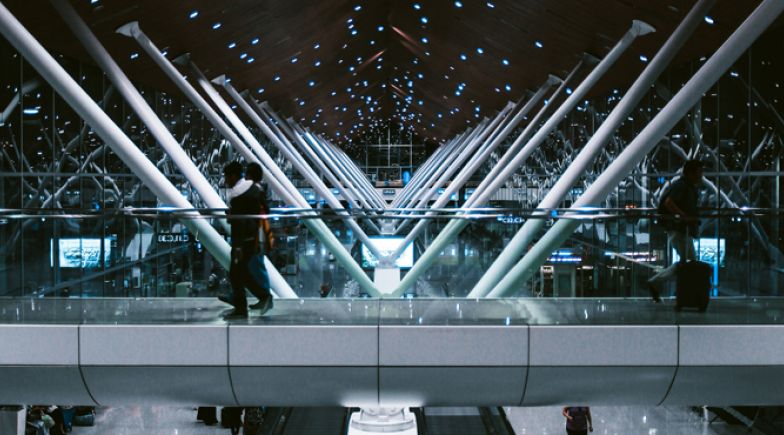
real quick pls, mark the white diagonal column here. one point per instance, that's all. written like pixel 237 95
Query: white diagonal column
pixel 515 248
pixel 317 226
pixel 108 131
pixel 424 171
pixel 299 164
pixel 496 179
pixel 275 177
pixel 691 93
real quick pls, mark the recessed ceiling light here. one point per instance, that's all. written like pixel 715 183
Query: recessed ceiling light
pixel 380 28
pixel 193 14
pixel 538 44
pixel 505 62
pixel 255 41
pixel 458 4
pixel 417 6
pixel 480 50
pixel 490 5
pixel 232 45
pixel 358 8
pixel 424 20
pixel 709 20
pixel 216 26
pixel 463 56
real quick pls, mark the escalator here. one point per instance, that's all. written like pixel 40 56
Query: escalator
pixel 463 421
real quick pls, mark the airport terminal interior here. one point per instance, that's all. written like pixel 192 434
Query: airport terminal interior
pixel 471 217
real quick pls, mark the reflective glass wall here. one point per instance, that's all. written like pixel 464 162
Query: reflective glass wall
pixel 51 160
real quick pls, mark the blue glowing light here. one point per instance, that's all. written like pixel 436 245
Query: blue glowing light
pixel 538 44
pixel 463 56
pixel 505 62
pixel 232 45
pixel 458 4
pixel 480 50
pixel 417 6
pixel 193 14
pixel 709 20
pixel 424 20
pixel 644 58
pixel 380 28
pixel 254 41
pixel 216 26
pixel 508 87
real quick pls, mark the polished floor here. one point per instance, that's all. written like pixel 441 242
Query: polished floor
pixel 622 421
pixel 516 311
pixel 525 421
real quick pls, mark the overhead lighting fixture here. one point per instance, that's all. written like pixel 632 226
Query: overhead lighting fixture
pixel 192 15
pixel 538 44
pixel 424 20
pixel 709 20
pixel 458 4
pixel 216 26
pixel 232 45
pixel 505 62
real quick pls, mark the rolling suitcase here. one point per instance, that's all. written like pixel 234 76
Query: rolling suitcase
pixel 693 285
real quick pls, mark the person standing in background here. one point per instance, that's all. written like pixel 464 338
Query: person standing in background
pixel 578 420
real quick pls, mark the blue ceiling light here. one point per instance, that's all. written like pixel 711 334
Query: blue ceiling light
pixel 243 55
pixel 250 60
pixel 294 60
pixel 232 45
pixel 318 63
pixel 354 32
pixel 358 8
pixel 463 56
pixel 480 50
pixel 317 46
pixel 508 87
pixel 134 56
pixel 644 58
pixel 424 20
pixel 569 91
pixel 193 14
pixel 417 6
pixel 380 28
pixel 216 26
pixel 505 62
pixel 425 40
pixel 254 41
pixel 538 44
pixel 311 83
pixel 490 5
pixel 709 20
pixel 261 90
pixel 276 78
pixel 458 4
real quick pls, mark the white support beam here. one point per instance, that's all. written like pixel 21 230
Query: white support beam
pixel 520 242
pixel 299 164
pixel 689 95
pixel 108 131
pixel 496 179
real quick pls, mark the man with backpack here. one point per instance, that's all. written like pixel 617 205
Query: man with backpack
pixel 679 216
pixel 245 198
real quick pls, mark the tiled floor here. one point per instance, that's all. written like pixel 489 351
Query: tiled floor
pixel 526 421
pixel 621 421
pixel 148 421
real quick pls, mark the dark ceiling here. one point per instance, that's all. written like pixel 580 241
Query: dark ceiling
pixel 342 66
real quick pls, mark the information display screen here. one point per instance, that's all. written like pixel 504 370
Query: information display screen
pixel 709 250
pixel 386 246
pixel 82 253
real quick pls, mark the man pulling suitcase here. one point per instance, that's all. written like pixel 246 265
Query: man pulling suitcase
pixel 679 216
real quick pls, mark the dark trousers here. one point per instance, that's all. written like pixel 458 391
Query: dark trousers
pixel 241 278
pixel 577 432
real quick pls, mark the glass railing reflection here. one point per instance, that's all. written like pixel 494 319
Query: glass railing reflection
pixel 148 252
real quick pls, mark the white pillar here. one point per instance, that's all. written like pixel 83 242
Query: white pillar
pixel 503 170
pixel 765 14
pixel 317 226
pixel 299 164
pixel 515 248
pixel 108 131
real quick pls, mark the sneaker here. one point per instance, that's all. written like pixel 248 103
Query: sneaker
pixel 654 293
pixel 236 315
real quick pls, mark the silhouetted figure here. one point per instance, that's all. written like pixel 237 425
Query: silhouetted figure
pixel 679 216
